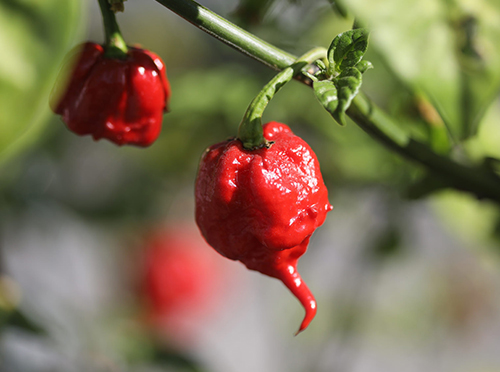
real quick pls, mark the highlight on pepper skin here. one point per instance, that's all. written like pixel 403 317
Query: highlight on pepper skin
pixel 121 100
pixel 261 206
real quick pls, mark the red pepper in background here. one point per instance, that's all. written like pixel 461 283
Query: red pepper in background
pixel 120 99
pixel 180 281
pixel 261 206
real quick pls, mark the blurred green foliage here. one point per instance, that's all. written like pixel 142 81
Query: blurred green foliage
pixel 34 37
pixel 447 49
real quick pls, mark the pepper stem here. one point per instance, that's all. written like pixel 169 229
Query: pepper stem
pixel 115 44
pixel 250 131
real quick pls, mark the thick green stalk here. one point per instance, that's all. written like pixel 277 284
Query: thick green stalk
pixel 115 45
pixel 477 180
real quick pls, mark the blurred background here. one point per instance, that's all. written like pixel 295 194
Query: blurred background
pixel 101 265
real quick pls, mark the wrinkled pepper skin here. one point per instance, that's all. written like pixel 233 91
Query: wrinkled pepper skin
pixel 261 206
pixel 122 100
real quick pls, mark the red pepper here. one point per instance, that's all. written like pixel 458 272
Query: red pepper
pixel 122 100
pixel 180 280
pixel 261 206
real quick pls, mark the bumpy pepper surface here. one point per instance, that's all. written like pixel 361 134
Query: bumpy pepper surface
pixel 122 100
pixel 261 206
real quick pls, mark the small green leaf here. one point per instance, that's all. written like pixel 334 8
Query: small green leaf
pixel 321 65
pixel 326 93
pixel 336 95
pixel 347 50
pixel 348 84
pixel 364 65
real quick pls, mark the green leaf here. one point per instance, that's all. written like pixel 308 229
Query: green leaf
pixel 336 95
pixel 348 84
pixel 347 50
pixel 326 93
pixel 364 65
pixel 34 37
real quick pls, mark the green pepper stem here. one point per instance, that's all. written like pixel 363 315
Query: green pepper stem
pixel 250 131
pixel 476 180
pixel 115 44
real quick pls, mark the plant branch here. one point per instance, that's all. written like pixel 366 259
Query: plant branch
pixel 229 33
pixel 476 180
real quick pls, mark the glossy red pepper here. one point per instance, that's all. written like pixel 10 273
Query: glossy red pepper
pixel 122 100
pixel 261 206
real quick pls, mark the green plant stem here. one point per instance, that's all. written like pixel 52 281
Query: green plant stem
pixel 250 131
pixel 115 45
pixel 230 34
pixel 476 180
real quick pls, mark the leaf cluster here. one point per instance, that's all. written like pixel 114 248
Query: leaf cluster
pixel 342 76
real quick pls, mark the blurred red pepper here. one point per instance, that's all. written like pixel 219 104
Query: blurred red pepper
pixel 120 99
pixel 261 206
pixel 180 281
